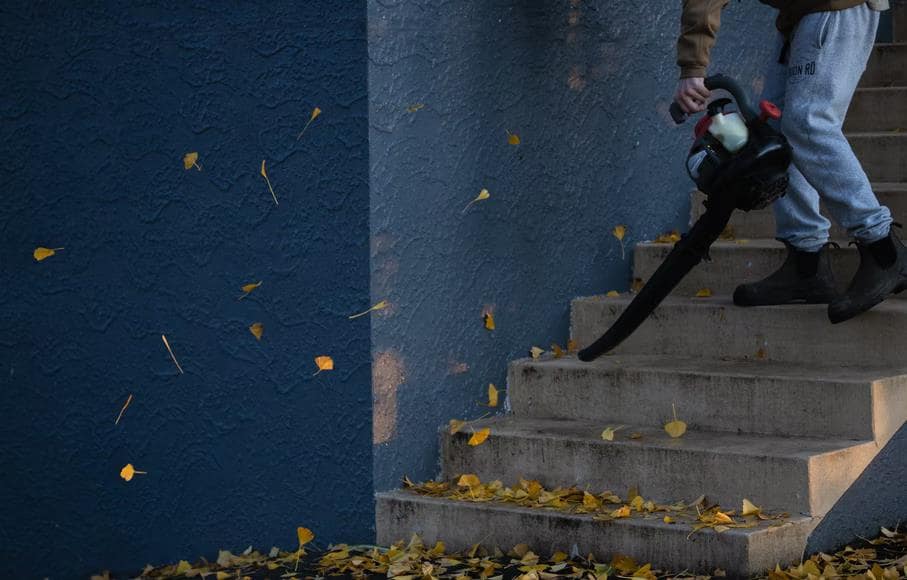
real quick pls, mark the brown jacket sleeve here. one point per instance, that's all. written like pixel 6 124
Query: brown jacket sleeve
pixel 699 26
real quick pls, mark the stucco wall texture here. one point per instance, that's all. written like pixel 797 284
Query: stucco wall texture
pixel 586 85
pixel 99 103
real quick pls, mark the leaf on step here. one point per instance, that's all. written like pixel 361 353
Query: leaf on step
pixel 636 435
pixel 590 502
pixel 479 436
pixel 608 433
pixel 749 508
pixel 704 293
pixel 469 480
pixel 456 425
pixel 637 285
pixel 571 346
pixel 675 428
pixel 536 352
pixel 668 520
pixel 669 238
pixel 621 512
pixel 613 294
pixel 557 350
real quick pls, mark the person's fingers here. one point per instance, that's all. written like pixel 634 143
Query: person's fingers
pixel 701 92
pixel 687 104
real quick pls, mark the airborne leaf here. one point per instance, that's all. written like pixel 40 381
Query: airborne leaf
pixel 675 428
pixel 128 472
pixel 492 395
pixel 512 138
pixel 123 410
pixel 489 320
pixel 257 329
pixel 172 356
pixel 482 195
pixel 264 174
pixel 315 112
pixel 247 289
pixel 190 160
pixel 619 232
pixel 379 306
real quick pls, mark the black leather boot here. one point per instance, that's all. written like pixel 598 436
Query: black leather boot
pixel 882 272
pixel 805 277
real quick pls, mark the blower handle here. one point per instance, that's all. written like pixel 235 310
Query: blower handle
pixel 720 81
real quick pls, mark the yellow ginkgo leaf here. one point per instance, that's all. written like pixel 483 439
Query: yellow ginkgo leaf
pixel 264 174
pixel 669 238
pixel 456 425
pixel 675 428
pixel 469 480
pixel 172 356
pixel 619 233
pixel 315 112
pixel 613 294
pixel 608 433
pixel 123 410
pixel 557 350
pixel 668 520
pixel 479 436
pixel 379 306
pixel 190 160
pixel 415 107
pixel 257 329
pixel 536 352
pixel 571 346
pixel 489 320
pixel 304 535
pixel 512 138
pixel 750 509
pixel 44 253
pixel 247 289
pixel 482 195
pixel 723 518
pixel 183 566
pixel 128 472
pixel 325 363
pixel 621 512
pixel 591 502
pixel 492 395
pixel 704 293
pixel 636 435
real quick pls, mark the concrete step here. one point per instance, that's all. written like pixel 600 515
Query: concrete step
pixel 740 552
pixel 878 109
pixel 882 154
pixel 887 66
pixel 799 475
pixel 714 328
pixel 761 223
pixel 737 262
pixel 760 397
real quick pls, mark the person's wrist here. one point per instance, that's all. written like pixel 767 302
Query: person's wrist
pixel 692 72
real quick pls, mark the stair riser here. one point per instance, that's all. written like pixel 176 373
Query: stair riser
pixel 706 329
pixel 761 223
pixel 883 155
pixel 663 474
pixel 887 66
pixel 714 402
pixel 877 110
pixel 460 525
pixel 735 265
pixel 899 20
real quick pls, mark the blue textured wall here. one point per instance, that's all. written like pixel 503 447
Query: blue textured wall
pixel 586 85
pixel 98 104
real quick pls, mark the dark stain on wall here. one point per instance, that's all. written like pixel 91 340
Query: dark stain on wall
pixel 99 103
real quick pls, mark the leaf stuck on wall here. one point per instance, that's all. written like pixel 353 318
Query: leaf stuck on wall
pixel 128 472
pixel 257 329
pixel 248 288
pixel 315 112
pixel 264 173
pixel 482 196
pixel 41 253
pixel 324 363
pixel 190 160
pixel 123 409
pixel 172 356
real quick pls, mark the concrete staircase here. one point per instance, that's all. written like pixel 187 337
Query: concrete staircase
pixel 783 408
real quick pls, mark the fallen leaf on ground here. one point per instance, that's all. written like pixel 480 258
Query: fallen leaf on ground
pixel 608 433
pixel 675 428
pixel 512 138
pixel 123 410
pixel 492 395
pixel 172 356
pixel 704 293
pixel 257 329
pixel 247 289
pixel 489 320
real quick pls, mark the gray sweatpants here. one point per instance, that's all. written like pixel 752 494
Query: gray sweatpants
pixel 828 54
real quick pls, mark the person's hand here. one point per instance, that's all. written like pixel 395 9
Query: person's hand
pixel 691 95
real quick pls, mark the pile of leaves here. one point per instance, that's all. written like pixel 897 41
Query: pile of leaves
pixel 698 514
pixel 882 558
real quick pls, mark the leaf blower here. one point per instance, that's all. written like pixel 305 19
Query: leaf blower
pixel 740 162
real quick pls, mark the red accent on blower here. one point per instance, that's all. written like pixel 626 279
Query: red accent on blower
pixel 769 111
